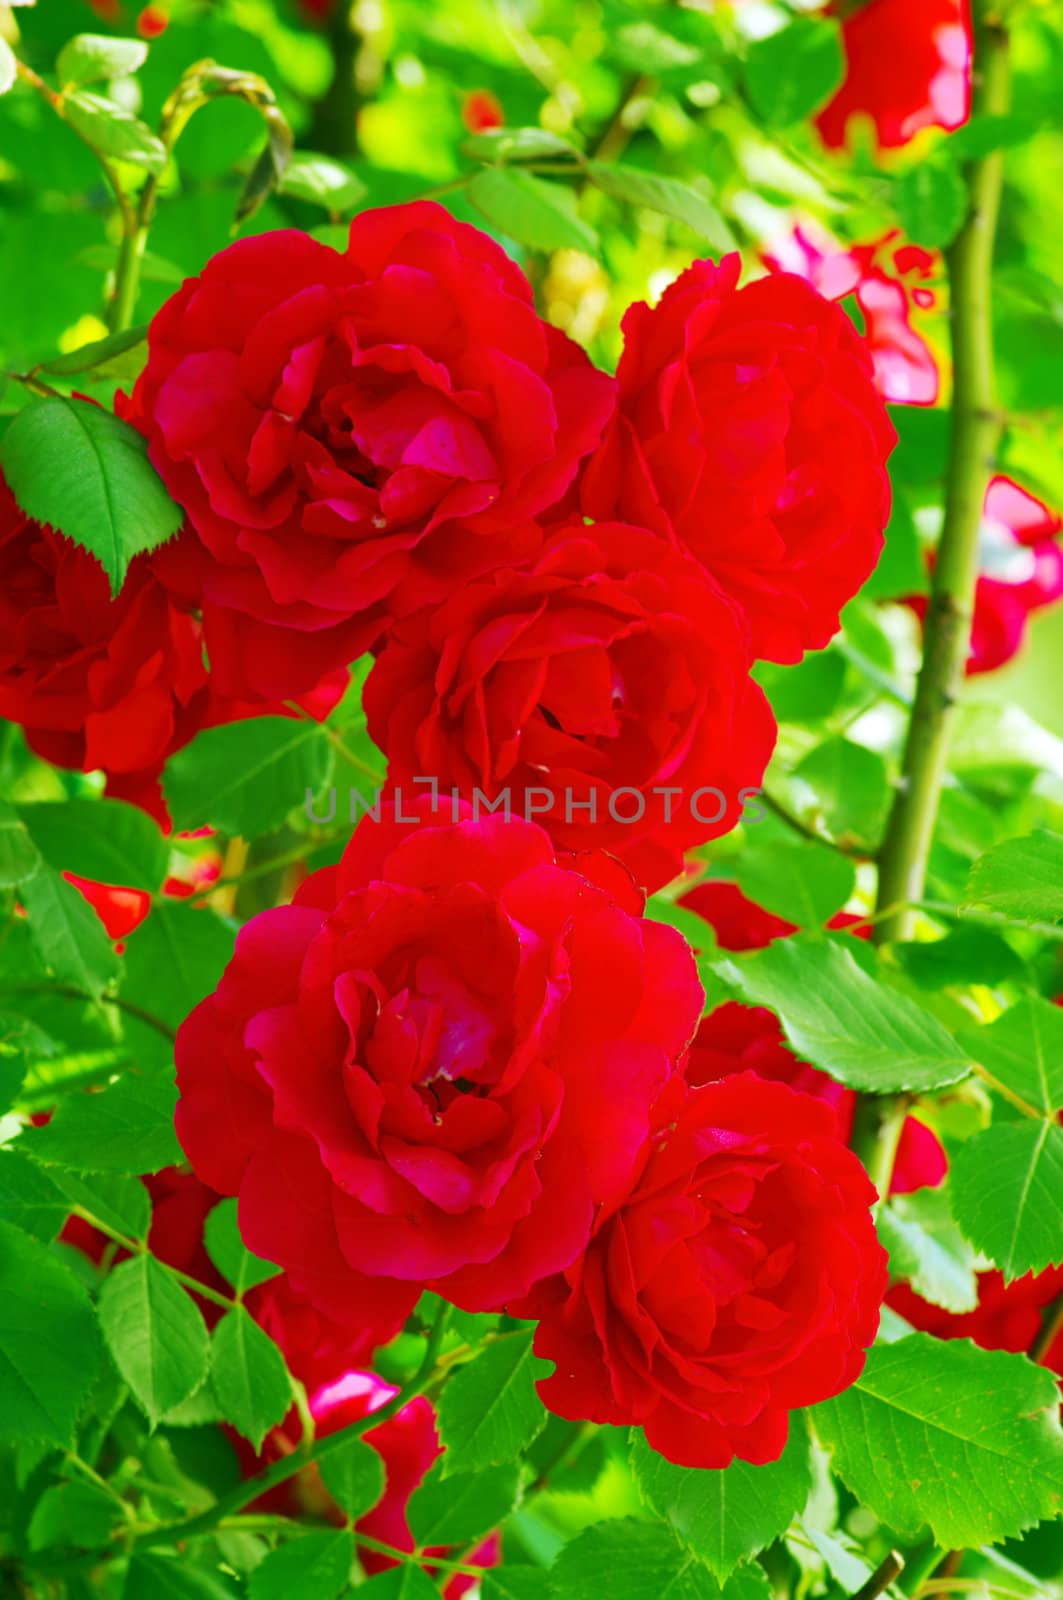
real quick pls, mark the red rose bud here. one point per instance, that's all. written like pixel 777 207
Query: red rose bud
pixel 739 1280
pixel 439 1062
pixel 352 433
pixel 603 687
pixel 152 22
pixel 750 433
pixel 907 67
pixel 481 110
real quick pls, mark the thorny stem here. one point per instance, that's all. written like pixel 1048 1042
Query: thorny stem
pixel 976 428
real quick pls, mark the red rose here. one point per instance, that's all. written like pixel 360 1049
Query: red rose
pixel 739 1280
pixel 607 669
pixel 739 1038
pixel 749 431
pixel 1020 571
pixel 320 1334
pixel 353 430
pixel 1008 1316
pixel 907 67
pixel 408 1445
pixel 96 682
pixel 888 279
pixel 439 1061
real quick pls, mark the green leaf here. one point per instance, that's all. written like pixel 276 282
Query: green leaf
pixel 323 181
pixel 70 937
pixel 248 1376
pixel 806 692
pixel 8 66
pixel 314 1566
pixel 175 958
pixel 19 858
pixel 1021 877
pixel 229 1253
pixel 155 1333
pixel 537 214
pixel 353 1473
pixel 97 58
pixel 517 144
pixel 967 954
pixel 458 1508
pixel 918 1444
pixel 926 1247
pixel 668 196
pixel 932 203
pixel 1007 1195
pixel 407 1582
pixel 1023 1051
pixel 127 1127
pixel 122 1202
pixel 804 883
pixel 862 1033
pixel 644 1561
pixel 22 1043
pixel 489 1411
pixel 643 47
pixel 49 1347
pixel 151 1577
pixel 793 72
pixel 246 777
pixel 72 1515
pixel 113 131
pixel 28 1197
pixel 514 1583
pixel 87 474
pixel 728 1515
pixel 982 134
pixel 851 788
pixel 105 840
pixel 111 353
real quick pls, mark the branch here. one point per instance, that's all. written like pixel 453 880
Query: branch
pixel 69 992
pixel 881 1578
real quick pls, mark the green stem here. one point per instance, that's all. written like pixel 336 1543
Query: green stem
pixel 230 1504
pixel 137 1247
pixel 121 312
pixel 69 992
pixel 976 427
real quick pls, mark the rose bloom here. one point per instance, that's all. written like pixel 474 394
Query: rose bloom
pixel 907 67
pixel 739 1038
pixel 353 430
pixel 96 682
pixel 749 431
pixel 888 280
pixel 1020 570
pixel 439 1062
pixel 741 1278
pixel 407 1443
pixel 610 666
pixel 1009 1316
